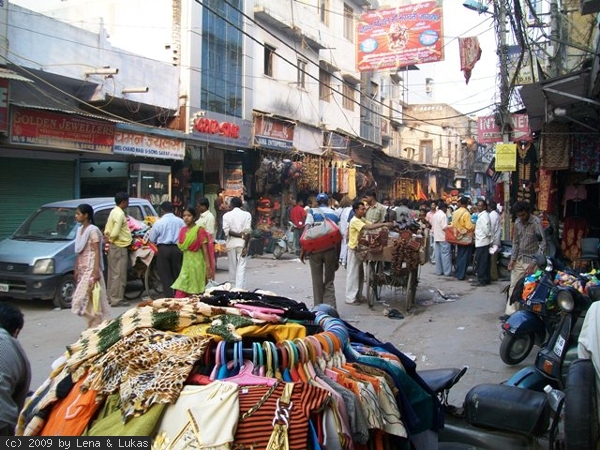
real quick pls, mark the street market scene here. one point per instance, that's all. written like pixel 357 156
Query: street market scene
pixel 317 224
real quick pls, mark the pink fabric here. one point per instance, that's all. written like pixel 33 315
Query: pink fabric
pixel 262 309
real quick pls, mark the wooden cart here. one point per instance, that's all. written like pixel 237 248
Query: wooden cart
pixel 392 259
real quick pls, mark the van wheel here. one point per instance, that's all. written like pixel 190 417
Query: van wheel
pixel 64 292
pixel 581 417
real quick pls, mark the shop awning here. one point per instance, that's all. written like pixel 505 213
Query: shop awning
pixel 562 99
pixel 7 74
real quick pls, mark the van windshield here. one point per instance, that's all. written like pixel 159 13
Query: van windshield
pixel 49 224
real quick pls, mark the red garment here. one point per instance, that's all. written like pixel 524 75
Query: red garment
pixel 298 216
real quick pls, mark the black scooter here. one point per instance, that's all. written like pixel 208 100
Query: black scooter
pixel 494 416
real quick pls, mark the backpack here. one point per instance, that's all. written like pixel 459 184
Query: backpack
pixel 322 236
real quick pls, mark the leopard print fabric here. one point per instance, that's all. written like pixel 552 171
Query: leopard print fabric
pixel 147 367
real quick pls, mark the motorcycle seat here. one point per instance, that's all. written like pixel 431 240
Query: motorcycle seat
pixel 508 408
pixel 440 380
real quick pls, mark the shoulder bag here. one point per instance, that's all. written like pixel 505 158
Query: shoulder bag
pixel 458 236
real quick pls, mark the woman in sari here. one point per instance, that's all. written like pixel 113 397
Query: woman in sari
pixel 198 264
pixel 88 270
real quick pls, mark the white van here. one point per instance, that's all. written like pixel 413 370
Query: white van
pixel 37 261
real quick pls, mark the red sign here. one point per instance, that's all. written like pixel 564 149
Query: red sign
pixel 4 83
pixel 49 129
pixel 397 37
pixel 488 132
pixel 211 126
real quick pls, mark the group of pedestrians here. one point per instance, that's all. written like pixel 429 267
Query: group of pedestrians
pixel 185 254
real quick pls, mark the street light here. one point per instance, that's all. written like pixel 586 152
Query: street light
pixel 476 6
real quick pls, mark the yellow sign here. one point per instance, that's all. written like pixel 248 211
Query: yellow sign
pixel 506 158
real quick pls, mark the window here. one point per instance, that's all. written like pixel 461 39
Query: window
pixel 301 74
pixel 269 55
pixel 426 152
pixel 348 96
pixel 324 11
pixel 324 85
pixel 348 23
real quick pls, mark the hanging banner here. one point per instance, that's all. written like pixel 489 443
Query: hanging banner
pixel 488 131
pixel 470 53
pixel 402 36
pixel 506 158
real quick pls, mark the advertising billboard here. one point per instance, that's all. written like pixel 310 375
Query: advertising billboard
pixel 401 36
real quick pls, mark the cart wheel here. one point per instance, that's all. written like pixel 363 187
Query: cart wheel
pixel 152 283
pixel 373 285
pixel 411 287
pixel 135 284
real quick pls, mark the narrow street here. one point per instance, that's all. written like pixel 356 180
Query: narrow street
pixel 462 332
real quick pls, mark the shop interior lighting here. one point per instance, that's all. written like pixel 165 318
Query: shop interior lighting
pixel 103 71
pixel 135 90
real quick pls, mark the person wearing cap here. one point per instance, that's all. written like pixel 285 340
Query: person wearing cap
pixel 324 264
pixel 164 234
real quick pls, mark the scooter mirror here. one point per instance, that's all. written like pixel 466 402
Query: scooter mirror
pixel 540 260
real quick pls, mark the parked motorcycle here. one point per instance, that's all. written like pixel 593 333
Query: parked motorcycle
pixel 494 416
pixel 537 317
pixel 554 359
pixel 285 243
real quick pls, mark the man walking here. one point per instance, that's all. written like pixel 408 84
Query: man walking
pixel 483 239
pixel 118 236
pixel 528 241
pixel 206 219
pixel 237 225
pixel 298 218
pixel 355 274
pixel 496 239
pixel 164 234
pixel 442 248
pixel 323 264
pixel 461 220
pixel 15 371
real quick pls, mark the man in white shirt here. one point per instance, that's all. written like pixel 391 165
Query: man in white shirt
pixel 206 219
pixel 442 248
pixel 237 225
pixel 496 239
pixel 483 240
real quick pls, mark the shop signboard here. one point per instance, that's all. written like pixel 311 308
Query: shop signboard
pixel 4 84
pixel 146 145
pixel 215 128
pixel 506 158
pixel 401 36
pixel 54 130
pixel 489 132
pixel 273 134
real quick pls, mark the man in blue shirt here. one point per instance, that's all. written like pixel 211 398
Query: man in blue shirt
pixel 164 234
pixel 323 264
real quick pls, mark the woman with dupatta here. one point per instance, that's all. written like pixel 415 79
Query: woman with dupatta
pixel 198 264
pixel 88 270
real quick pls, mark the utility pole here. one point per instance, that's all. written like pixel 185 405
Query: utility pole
pixel 505 119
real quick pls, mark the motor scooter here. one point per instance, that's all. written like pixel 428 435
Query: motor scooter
pixel 554 359
pixel 536 318
pixel 286 242
pixel 494 416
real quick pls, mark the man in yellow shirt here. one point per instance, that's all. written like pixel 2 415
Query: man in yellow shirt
pixel 461 219
pixel 118 236
pixel 355 274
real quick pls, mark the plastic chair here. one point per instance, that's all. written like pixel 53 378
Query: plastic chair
pixel 589 253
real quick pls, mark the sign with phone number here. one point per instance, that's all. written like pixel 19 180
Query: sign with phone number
pixel 77 442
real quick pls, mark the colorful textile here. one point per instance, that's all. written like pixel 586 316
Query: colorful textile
pixel 586 153
pixel 149 366
pixel 554 146
pixel 163 314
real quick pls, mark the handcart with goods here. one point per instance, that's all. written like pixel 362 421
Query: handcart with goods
pixel 392 259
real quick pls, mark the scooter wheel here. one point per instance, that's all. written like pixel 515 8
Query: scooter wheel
pixel 581 416
pixel 277 252
pixel 514 349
